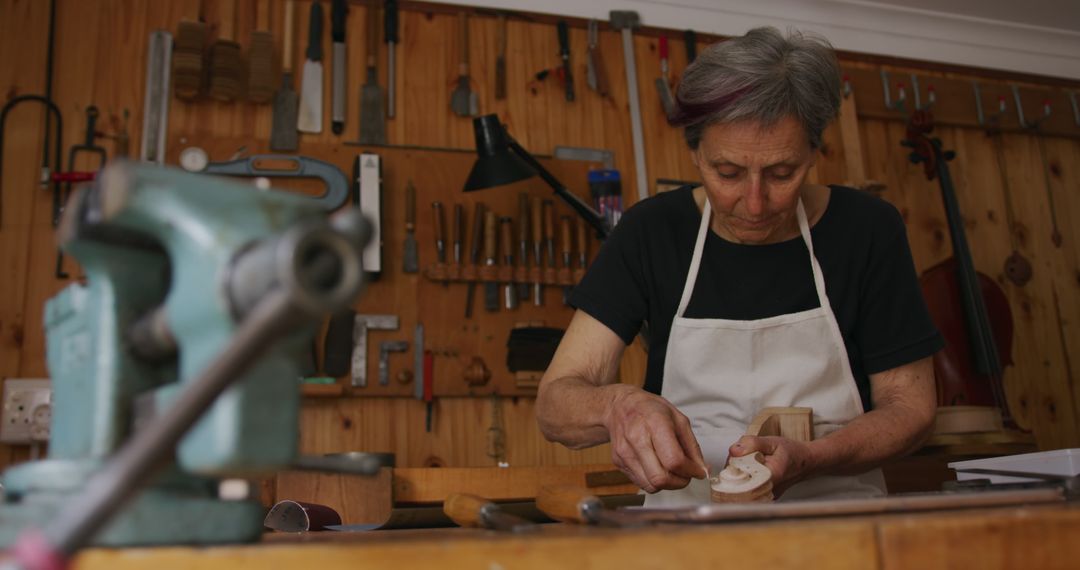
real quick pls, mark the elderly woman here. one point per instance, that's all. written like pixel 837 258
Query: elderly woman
pixel 757 289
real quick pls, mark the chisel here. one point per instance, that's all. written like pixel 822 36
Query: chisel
pixel 564 245
pixel 390 36
pixel 536 213
pixel 523 242
pixel 549 232
pixel 440 234
pixel 456 236
pixel 311 84
pixel 471 511
pixel 506 233
pixel 283 135
pixel 474 254
pixel 491 250
pixel 410 258
pixel 372 114
pixel 582 243
pixel 567 503
pixel 429 388
pixel 338 10
pixel 564 53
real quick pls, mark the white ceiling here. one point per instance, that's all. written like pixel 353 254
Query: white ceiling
pixel 1057 14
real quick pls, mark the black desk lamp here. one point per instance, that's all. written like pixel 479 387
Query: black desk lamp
pixel 501 160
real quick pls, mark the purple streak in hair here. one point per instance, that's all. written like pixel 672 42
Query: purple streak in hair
pixel 686 114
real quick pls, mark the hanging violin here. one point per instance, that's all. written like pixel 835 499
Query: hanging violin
pixel 968 307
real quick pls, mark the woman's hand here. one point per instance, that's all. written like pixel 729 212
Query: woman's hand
pixel 789 461
pixel 651 440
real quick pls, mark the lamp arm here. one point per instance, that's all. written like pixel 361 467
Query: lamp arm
pixel 580 206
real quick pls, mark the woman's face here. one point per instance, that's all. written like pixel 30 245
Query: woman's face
pixel 752 175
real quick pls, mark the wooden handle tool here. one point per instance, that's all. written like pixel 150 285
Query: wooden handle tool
pixel 507 245
pixel 456 236
pixel 471 511
pixel 440 233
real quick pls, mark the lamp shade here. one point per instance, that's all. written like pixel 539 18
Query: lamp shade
pixel 496 164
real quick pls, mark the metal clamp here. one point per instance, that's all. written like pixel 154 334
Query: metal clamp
pixel 337 184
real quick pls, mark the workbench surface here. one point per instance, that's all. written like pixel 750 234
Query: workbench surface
pixel 1023 537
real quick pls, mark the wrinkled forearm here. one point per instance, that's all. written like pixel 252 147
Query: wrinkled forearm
pixel 871 439
pixel 573 411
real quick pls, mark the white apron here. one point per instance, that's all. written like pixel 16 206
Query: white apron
pixel 721 372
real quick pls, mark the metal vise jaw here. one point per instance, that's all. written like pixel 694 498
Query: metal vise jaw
pixel 174 261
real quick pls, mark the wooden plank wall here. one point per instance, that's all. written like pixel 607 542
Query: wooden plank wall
pixel 100 59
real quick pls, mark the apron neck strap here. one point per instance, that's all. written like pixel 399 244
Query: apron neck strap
pixel 699 247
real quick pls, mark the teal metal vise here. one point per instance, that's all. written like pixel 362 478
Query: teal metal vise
pixel 176 265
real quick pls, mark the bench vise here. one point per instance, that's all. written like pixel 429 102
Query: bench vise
pixel 179 271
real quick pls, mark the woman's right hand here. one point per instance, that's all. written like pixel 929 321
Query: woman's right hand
pixel 651 440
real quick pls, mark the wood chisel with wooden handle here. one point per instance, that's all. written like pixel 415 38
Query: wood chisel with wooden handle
pixel 372 111
pixel 463 100
pixel 338 11
pixel 507 244
pixel 549 232
pixel 429 389
pixel 474 254
pixel 567 503
pixel 564 246
pixel 536 215
pixel 283 136
pixel 564 54
pixel 663 88
pixel 440 233
pixel 456 237
pixel 309 119
pixel 471 511
pixel 523 242
pixel 500 56
pixel 390 36
pixel 491 251
pixel 410 261
pixel 582 243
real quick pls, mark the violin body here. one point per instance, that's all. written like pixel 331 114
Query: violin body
pixel 959 383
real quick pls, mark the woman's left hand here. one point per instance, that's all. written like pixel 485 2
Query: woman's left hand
pixel 789 461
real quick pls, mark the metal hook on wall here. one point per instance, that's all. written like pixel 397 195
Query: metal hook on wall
pixel 1020 111
pixel 931 96
pixel 985 120
pixel 901 95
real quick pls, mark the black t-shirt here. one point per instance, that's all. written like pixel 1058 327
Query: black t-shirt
pixel 861 244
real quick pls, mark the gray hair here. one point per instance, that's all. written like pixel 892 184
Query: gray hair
pixel 763 77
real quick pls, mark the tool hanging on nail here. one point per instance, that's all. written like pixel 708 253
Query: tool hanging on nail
pixel 663 85
pixel 500 57
pixel 523 242
pixel 51 110
pixel 464 101
pixel 372 97
pixel 260 78
pixel 690 38
pixel 188 65
pixel 226 64
pixel 88 147
pixel 368 172
pixel 311 85
pixel 491 251
pixel 390 36
pixel 155 124
pixel 596 72
pixel 283 134
pixel 410 261
pixel 549 233
pixel 474 254
pixel 506 233
pixel 536 218
pixel 429 389
pixel 456 233
pixel 440 234
pixel 565 247
pixel 338 12
pixel 564 54
pixel 627 22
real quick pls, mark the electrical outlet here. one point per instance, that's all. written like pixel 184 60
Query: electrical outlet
pixel 27 412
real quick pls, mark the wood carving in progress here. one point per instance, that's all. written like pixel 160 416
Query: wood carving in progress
pixel 746 479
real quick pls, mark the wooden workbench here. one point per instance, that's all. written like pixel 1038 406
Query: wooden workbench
pixel 1024 537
